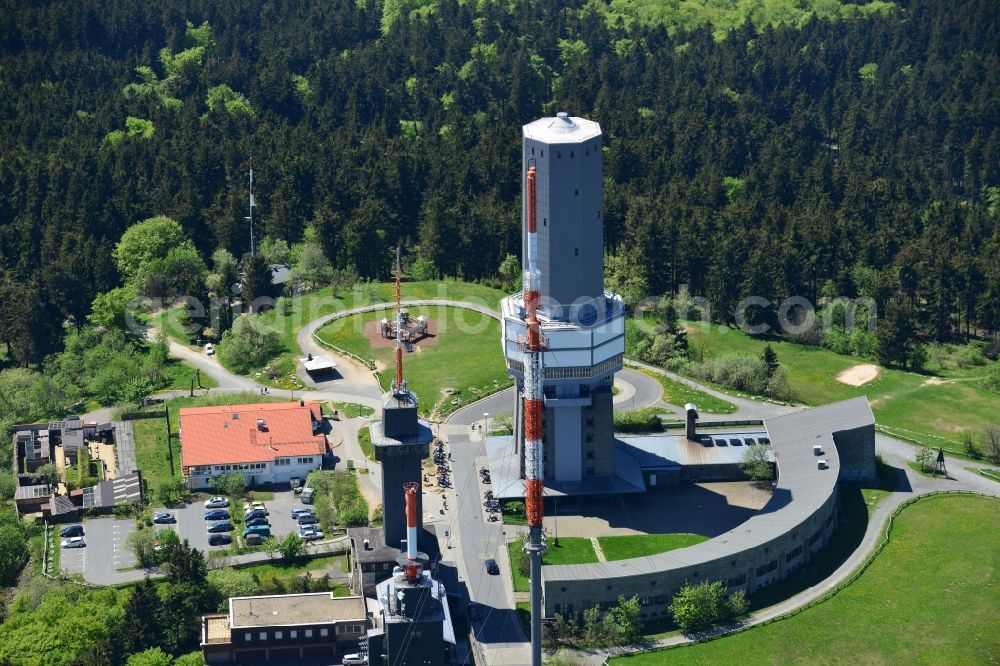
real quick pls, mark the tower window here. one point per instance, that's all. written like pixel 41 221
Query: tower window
pixel 543 153
pixel 571 153
pixel 576 192
pixel 558 154
pixel 576 252
pixel 532 150
pixel 545 221
pixel 590 455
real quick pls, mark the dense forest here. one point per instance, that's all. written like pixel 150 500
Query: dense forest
pixel 849 153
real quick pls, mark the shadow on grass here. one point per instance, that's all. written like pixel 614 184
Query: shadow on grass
pixel 851 525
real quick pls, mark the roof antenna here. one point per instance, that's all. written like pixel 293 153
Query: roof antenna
pixel 399 385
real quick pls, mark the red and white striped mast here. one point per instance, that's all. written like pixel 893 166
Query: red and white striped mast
pixel 414 560
pixel 533 347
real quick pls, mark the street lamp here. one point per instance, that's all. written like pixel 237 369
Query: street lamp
pixel 486 425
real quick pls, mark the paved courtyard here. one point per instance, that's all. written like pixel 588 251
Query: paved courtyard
pixel 700 508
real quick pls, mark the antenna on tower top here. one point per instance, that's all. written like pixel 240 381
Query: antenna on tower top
pixel 399 385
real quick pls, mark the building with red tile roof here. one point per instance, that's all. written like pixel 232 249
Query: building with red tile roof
pixel 267 443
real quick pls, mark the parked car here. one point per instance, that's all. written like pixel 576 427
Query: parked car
pixel 209 349
pixel 164 518
pixel 71 531
pixel 263 530
pixel 256 520
pixel 253 539
pixel 301 512
pixel 221 526
pixel 354 659
pixel 254 506
pixel 73 542
pixel 216 503
pixel 307 519
pixel 310 533
pixel 254 513
pixel 217 514
pixel 296 484
pixel 492 567
pixel 219 539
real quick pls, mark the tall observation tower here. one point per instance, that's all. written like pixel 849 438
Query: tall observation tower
pixel 401 440
pixel 582 326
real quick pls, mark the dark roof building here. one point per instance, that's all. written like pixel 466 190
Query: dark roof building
pixel 285 628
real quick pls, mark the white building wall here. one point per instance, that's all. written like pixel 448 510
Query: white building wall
pixel 269 473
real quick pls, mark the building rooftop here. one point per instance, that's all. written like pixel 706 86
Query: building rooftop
pixel 318 363
pixel 386 594
pixel 216 628
pixel 294 609
pixel 562 129
pixel 802 488
pixel 31 492
pixel 378 550
pixel 423 436
pixel 665 451
pixel 232 434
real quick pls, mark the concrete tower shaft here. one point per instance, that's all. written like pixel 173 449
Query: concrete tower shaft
pixel 567 153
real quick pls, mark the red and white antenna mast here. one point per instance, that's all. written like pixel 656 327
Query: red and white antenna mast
pixel 534 473
pixel 413 562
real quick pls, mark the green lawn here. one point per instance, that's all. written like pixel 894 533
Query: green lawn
pixel 306 307
pixel 351 410
pixel 992 474
pixel 922 601
pixel 926 408
pixel 179 375
pixel 679 394
pixel 465 355
pixel 151 452
pixel 365 442
pixel 571 550
pixel 639 545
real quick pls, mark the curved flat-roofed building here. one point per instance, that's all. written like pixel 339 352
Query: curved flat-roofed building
pixel 796 522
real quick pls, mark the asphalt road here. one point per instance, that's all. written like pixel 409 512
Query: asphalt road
pixel 481 540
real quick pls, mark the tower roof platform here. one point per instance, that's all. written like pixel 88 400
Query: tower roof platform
pixel 562 129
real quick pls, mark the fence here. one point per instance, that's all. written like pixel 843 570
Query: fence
pixel 842 585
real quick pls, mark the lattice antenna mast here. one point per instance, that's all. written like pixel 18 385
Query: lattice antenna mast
pixel 399 384
pixel 534 475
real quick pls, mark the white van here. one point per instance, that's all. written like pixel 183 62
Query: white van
pixel 354 658
pixel 307 495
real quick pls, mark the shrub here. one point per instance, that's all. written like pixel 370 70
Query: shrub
pixel 706 605
pixel 248 344
pixel 970 445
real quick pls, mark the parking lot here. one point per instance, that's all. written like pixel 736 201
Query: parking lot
pixel 105 551
pixel 191 523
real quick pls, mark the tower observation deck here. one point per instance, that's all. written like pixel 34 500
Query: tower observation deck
pixel 583 325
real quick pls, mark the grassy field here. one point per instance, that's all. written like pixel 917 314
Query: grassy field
pixel 306 307
pixel 151 450
pixel 351 410
pixel 925 408
pixel 571 550
pixel 179 375
pixel 922 601
pixel 639 545
pixel 365 442
pixel 679 394
pixel 465 355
